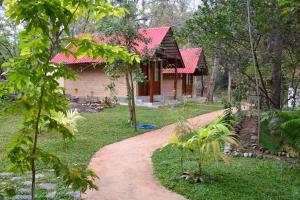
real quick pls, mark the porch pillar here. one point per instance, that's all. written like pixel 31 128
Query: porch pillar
pixel 175 80
pixel 151 89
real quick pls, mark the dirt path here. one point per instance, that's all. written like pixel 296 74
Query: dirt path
pixel 125 167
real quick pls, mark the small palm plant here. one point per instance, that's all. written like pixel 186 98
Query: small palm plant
pixel 182 128
pixel 209 141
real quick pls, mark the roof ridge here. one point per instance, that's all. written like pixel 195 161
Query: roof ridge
pixel 155 27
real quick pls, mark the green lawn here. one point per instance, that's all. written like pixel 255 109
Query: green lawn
pixel 241 179
pixel 100 129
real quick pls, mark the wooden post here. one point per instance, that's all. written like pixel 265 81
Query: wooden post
pixel 175 80
pixel 151 74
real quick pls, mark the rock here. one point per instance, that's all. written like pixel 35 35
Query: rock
pixel 227 148
pixel 75 194
pixel 246 155
pixel 267 152
pixel 253 137
pixel 47 186
pixel 293 155
pixel 50 194
pixel 287 155
pixel 22 196
pixel 38 176
pixel 25 190
pixel 6 174
pixel 27 183
pixel 236 153
pixel 253 130
pixel 259 156
pixel 185 177
pixel 15 178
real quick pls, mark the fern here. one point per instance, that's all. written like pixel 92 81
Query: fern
pixel 290 128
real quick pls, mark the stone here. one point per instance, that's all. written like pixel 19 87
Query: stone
pixel 47 186
pixel 15 178
pixel 253 130
pixel 50 194
pixel 266 151
pixel 25 190
pixel 38 176
pixel 227 149
pixel 259 156
pixel 5 174
pixel 293 155
pixel 75 194
pixel 21 196
pixel 253 137
pixel 246 155
pixel 26 183
pixel 236 153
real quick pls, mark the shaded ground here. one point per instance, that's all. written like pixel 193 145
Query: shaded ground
pixel 125 168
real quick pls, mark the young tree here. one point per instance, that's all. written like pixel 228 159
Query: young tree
pixel 124 31
pixel 33 79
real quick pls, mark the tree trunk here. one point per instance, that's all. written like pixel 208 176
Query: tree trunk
pixel 132 101
pixel 276 70
pixel 213 79
pixel 229 84
pixel 129 97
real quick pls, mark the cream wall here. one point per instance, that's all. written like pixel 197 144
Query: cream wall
pixel 93 82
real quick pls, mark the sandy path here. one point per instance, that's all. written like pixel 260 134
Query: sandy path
pixel 125 167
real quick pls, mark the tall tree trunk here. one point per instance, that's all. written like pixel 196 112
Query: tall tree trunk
pixel 35 140
pixel 229 84
pixel 256 70
pixel 276 70
pixel 132 101
pixel 213 79
pixel 129 97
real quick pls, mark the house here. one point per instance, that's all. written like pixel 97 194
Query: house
pixel 169 72
pixel 162 52
pixel 191 77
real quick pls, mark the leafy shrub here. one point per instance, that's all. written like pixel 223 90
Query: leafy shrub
pixel 290 126
pixel 206 143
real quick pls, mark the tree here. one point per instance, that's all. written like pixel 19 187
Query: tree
pixel 33 79
pixel 275 43
pixel 166 12
pixel 124 31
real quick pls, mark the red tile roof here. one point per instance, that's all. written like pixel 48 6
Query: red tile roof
pixel 154 37
pixel 190 58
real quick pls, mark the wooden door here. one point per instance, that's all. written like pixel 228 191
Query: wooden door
pixel 144 87
pixel 187 84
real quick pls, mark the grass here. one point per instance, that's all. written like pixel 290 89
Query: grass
pixel 100 129
pixel 242 178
